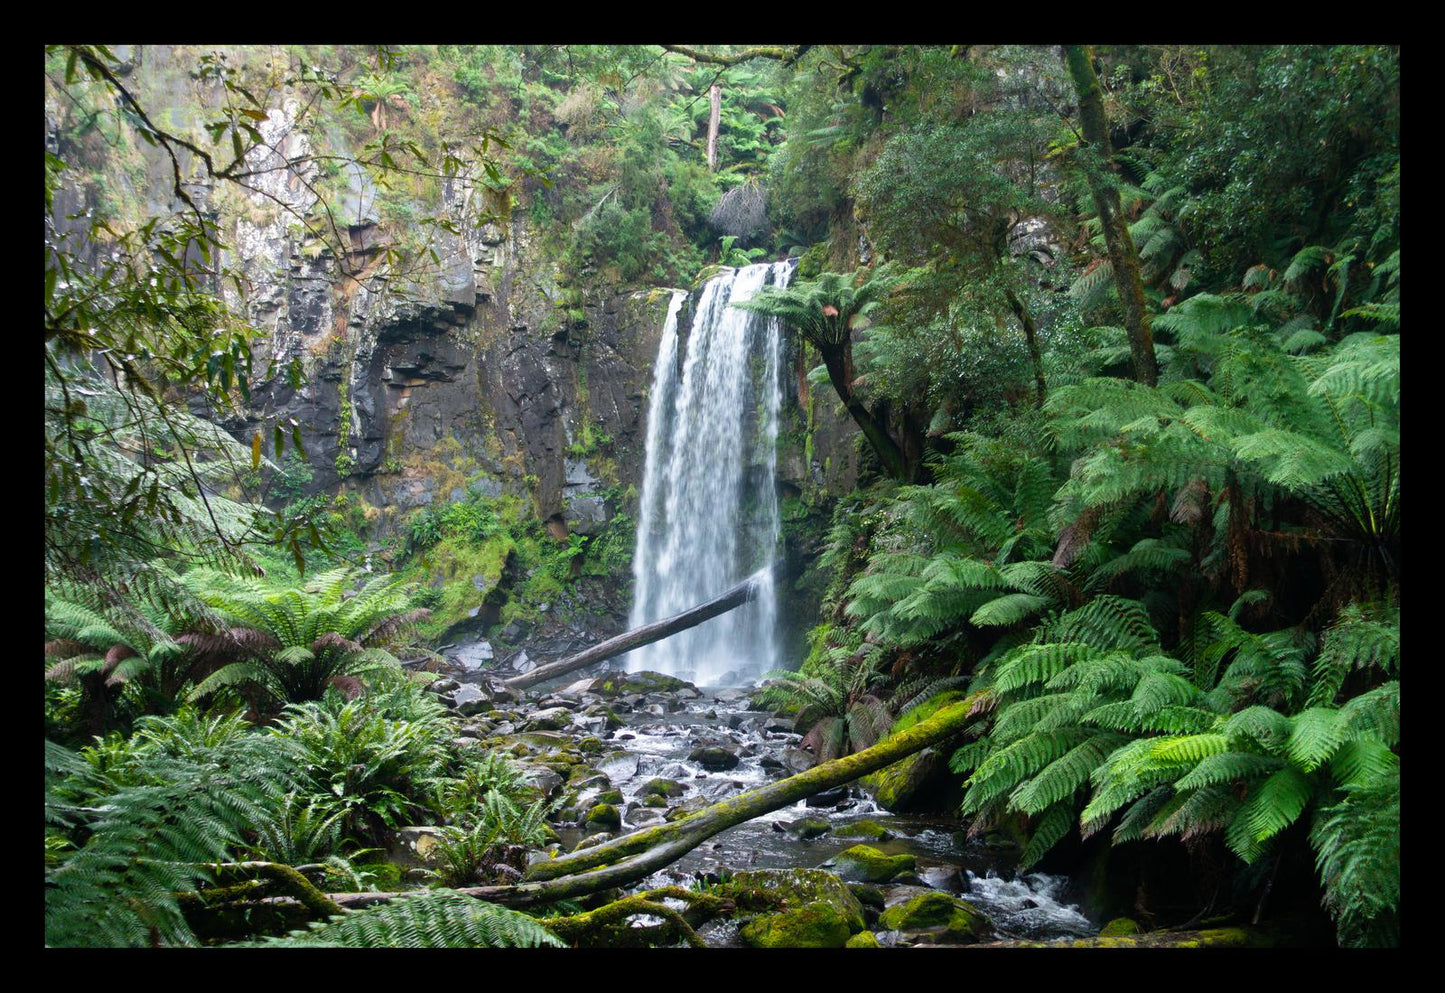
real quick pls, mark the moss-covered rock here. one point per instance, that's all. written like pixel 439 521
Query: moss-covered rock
pixel 663 787
pixel 940 919
pixel 806 828
pixel 604 816
pixel 869 829
pixel 589 745
pixel 867 864
pixel 863 939
pixel 622 683
pixel 653 800
pixel 914 783
pixel 611 796
pixel 812 908
pixel 1118 926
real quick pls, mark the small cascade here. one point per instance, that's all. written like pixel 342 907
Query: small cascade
pixel 709 511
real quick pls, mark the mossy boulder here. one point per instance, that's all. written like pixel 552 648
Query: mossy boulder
pixel 653 800
pixel 1119 926
pixel 663 787
pixel 869 829
pixel 863 863
pixel 939 919
pixel 810 908
pixel 806 828
pixel 623 683
pixel 611 796
pixel 863 939
pixel 915 783
pixel 604 816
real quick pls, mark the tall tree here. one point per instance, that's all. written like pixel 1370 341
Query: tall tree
pixel 825 312
pixel 1122 254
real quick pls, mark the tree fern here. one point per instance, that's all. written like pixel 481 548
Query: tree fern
pixel 434 919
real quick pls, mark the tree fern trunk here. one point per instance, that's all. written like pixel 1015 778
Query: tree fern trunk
pixel 1122 253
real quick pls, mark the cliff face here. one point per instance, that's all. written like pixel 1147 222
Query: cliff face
pixel 469 370
pixel 468 367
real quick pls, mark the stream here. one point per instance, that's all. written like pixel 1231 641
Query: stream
pixel 661 737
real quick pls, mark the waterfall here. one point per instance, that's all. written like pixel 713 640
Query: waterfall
pixel 709 511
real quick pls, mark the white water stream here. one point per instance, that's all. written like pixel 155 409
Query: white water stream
pixel 709 511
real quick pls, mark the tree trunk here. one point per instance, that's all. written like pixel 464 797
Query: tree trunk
pixel 1030 336
pixel 645 635
pixel 1122 253
pixel 839 361
pixel 714 96
pixel 637 855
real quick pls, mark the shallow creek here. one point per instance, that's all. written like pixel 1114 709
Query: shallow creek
pixel 657 742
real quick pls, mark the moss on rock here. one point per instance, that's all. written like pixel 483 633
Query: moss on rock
pixel 817 909
pixel 863 939
pixel 945 919
pixel 864 829
pixel 604 816
pixel 1118 926
pixel 867 864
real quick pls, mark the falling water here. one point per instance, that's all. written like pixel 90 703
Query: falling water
pixel 709 512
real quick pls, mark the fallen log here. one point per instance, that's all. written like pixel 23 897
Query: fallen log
pixel 647 634
pixel 635 856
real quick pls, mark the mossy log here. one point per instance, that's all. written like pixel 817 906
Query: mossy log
pixel 1224 937
pixel 608 926
pixel 634 856
pixel 645 635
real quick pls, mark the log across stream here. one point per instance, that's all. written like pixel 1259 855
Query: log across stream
pixel 748 816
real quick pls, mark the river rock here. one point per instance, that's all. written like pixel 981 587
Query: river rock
pixel 663 787
pixel 796 760
pixel 603 817
pixel 619 767
pixel 714 757
pixel 550 719
pixel 468 700
pixel 806 828
pixel 937 918
pixel 867 864
pixel 866 828
pixel 828 798
pixel 475 655
pixel 817 910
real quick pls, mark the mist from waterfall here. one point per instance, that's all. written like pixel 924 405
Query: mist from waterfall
pixel 709 511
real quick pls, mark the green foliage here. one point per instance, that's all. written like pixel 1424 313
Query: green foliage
pixel 143 819
pixel 436 919
pixel 364 771
pixel 293 642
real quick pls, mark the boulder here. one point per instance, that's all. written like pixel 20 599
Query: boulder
pixel 807 908
pixel 806 828
pixel 714 757
pixel 937 918
pixel 603 817
pixel 914 783
pixel 663 787
pixel 866 828
pixel 867 864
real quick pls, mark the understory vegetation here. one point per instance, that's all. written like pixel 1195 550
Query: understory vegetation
pixel 1119 331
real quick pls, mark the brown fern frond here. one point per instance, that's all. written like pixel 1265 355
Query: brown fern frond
pixel 395 624
pixel 65 647
pixel 1074 538
pixel 332 639
pixel 1189 502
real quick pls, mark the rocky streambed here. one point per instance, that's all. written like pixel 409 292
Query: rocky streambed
pixel 621 751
